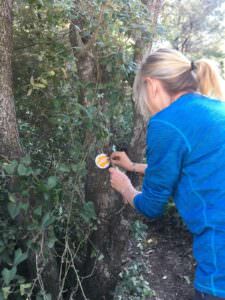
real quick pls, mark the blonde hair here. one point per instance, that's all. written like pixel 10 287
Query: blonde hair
pixel 177 74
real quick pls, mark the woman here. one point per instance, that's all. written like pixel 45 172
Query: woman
pixel 185 157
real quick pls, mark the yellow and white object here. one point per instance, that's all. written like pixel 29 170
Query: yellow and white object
pixel 102 161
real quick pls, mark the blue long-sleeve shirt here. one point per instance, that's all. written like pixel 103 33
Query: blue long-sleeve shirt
pixel 186 160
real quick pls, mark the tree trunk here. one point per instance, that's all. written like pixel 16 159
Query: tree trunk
pixel 10 147
pixel 9 137
pixel 110 238
pixel 112 234
pixel 155 9
pixel 137 146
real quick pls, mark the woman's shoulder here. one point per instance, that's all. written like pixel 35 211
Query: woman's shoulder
pixel 191 108
pixel 195 117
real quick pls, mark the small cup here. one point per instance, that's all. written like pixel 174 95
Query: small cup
pixel 102 161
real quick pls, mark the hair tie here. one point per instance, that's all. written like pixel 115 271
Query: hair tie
pixel 193 66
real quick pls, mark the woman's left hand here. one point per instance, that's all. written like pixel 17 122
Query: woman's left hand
pixel 119 181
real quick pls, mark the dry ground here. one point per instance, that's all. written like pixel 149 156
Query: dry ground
pixel 166 258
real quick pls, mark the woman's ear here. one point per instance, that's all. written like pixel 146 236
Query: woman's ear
pixel 152 86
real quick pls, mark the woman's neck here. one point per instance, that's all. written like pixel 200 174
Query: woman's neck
pixel 178 95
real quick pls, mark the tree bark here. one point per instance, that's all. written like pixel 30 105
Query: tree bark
pixel 10 147
pixel 112 234
pixel 9 137
pixel 155 9
pixel 137 146
pixel 111 237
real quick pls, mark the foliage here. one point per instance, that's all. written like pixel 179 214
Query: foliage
pixel 195 27
pixel 139 232
pixel 49 191
pixel 46 201
pixel 133 284
pixel 47 212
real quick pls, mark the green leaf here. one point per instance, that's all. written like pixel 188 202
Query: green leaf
pixel 10 168
pixel 26 160
pixel 109 67
pixel 41 2
pixel 74 168
pixel 19 257
pixel 32 80
pixel 13 209
pixel 38 211
pixel 6 292
pixel 1 296
pixel 24 287
pixel 29 92
pixel 64 168
pixel 38 86
pixel 24 206
pixel 52 182
pixel 12 198
pixel 44 81
pixel 47 220
pixel 51 73
pixel 44 296
pixel 101 257
pixel 88 212
pixel 23 170
pixel 8 275
pixel 37 172
pixel 51 242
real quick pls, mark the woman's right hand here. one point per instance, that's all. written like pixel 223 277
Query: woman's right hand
pixel 120 159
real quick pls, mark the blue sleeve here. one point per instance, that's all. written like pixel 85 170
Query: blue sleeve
pixel 166 150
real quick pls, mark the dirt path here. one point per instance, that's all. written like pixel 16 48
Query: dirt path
pixel 169 258
pixel 164 260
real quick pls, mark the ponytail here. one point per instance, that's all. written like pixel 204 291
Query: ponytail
pixel 210 82
pixel 177 74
